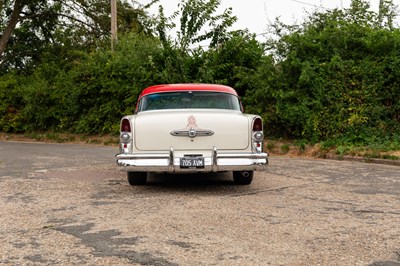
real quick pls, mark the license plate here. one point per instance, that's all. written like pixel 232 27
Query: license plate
pixel 192 162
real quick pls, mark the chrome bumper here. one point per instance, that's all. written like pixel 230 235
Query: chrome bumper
pixel 168 162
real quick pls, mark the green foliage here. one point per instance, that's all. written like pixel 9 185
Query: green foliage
pixel 196 14
pixel 285 148
pixel 334 79
pixel 71 87
pixel 232 62
pixel 109 83
pixel 336 76
pixel 49 26
pixel 88 95
pixel 11 119
pixel 302 145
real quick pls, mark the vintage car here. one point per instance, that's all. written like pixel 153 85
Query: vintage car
pixel 191 128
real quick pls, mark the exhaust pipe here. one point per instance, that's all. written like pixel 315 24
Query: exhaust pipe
pixel 246 174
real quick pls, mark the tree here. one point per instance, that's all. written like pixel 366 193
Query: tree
pixel 233 61
pixel 31 27
pixel 14 18
pixel 198 16
pixel 387 13
pixel 335 77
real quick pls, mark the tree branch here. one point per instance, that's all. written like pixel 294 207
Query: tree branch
pixel 14 19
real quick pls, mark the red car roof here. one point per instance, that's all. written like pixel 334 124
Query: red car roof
pixel 187 87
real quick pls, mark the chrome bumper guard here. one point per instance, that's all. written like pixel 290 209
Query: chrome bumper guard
pixel 218 162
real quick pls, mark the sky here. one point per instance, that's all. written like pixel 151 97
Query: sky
pixel 255 15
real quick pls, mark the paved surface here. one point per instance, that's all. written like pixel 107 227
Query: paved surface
pixel 69 205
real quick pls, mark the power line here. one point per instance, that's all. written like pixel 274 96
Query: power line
pixel 304 3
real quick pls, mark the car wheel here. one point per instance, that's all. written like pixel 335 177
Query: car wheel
pixel 137 178
pixel 243 177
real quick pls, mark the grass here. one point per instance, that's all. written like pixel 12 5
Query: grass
pixel 285 148
pixel 330 148
pixel 270 145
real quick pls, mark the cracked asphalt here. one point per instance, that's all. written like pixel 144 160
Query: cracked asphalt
pixel 70 204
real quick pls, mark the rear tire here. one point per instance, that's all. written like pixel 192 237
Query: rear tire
pixel 137 178
pixel 243 177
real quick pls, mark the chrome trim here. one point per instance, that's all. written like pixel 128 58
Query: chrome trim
pixel 215 159
pixel 192 132
pixel 125 148
pixel 142 156
pixel 258 136
pixel 217 162
pixel 256 156
pixel 262 122
pixel 125 137
pixel 171 160
pixel 256 143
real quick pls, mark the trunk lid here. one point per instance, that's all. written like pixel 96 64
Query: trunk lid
pixel 152 130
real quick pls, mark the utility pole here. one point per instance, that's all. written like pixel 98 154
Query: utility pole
pixel 380 11
pixel 113 23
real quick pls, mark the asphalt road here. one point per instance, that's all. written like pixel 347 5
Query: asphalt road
pixel 70 204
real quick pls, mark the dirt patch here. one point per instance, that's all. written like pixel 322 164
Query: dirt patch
pixel 82 174
pixel 287 148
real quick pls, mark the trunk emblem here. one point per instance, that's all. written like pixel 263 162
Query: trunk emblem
pixel 192 133
pixel 191 130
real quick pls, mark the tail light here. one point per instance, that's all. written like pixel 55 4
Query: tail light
pixel 257 124
pixel 126 135
pixel 258 135
pixel 125 125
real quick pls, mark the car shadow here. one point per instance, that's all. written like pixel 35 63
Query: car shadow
pixel 190 180
pixel 206 184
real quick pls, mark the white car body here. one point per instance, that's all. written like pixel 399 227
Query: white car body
pixel 176 137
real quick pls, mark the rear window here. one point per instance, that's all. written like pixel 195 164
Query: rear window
pixel 189 100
